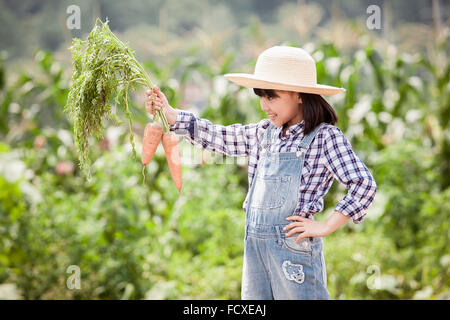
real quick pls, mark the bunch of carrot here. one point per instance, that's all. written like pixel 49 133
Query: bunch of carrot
pixel 104 68
pixel 153 134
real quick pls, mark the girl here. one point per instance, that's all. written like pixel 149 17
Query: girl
pixel 294 158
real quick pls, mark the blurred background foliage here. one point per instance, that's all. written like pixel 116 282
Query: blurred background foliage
pixel 135 240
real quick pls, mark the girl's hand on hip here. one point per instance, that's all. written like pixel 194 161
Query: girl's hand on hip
pixel 306 228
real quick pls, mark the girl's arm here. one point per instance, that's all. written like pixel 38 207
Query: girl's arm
pixel 335 221
pixel 350 171
pixel 234 140
pixel 311 228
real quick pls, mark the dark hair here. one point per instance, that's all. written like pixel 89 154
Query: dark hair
pixel 315 108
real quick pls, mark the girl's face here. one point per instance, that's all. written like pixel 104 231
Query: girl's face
pixel 282 107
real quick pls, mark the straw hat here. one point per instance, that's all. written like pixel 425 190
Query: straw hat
pixel 284 68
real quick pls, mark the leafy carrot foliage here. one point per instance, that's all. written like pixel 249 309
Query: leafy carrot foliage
pixel 103 68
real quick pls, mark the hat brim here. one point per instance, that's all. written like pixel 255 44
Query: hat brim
pixel 251 81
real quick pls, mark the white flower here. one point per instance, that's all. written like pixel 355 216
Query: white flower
pixel 360 109
pixel 332 65
pixel 12 169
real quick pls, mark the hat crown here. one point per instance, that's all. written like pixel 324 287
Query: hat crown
pixel 286 64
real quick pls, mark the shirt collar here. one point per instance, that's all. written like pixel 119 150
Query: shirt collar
pixel 292 130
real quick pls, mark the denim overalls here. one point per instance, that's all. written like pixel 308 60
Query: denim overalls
pixel 275 266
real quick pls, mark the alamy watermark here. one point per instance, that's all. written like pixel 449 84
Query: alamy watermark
pixel 74 280
pixel 73 21
pixel 374 19
pixel 374 281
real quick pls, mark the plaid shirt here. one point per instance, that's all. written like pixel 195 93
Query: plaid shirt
pixel 330 156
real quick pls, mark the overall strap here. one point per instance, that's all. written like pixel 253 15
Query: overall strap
pixel 267 136
pixel 306 141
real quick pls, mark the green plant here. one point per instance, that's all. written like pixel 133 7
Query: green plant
pixel 103 67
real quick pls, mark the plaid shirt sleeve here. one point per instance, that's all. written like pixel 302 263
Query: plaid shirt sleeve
pixel 234 140
pixel 351 172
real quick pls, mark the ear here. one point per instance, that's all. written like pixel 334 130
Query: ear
pixel 299 98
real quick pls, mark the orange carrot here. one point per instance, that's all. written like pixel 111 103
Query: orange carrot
pixel 152 136
pixel 172 151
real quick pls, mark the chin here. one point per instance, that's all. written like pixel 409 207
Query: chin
pixel 276 123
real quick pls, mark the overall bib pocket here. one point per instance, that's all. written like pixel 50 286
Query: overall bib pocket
pixel 270 191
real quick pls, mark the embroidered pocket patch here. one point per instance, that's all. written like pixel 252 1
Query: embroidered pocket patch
pixel 293 272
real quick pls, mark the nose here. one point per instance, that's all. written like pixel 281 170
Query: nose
pixel 264 105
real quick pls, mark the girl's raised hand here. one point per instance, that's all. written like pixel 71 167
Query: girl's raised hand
pixel 156 100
